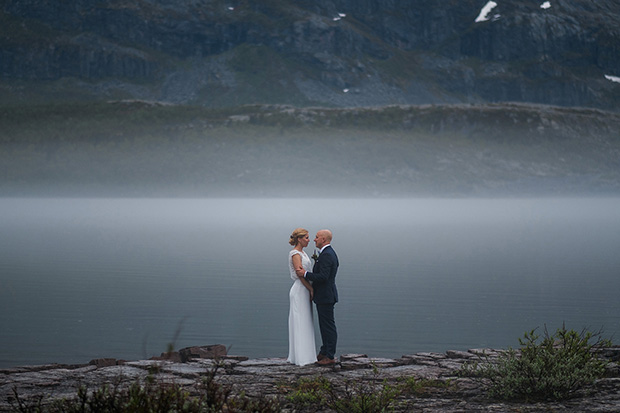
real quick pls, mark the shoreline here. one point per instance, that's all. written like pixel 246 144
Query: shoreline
pixel 270 377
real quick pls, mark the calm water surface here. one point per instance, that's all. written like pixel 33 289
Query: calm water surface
pixel 126 278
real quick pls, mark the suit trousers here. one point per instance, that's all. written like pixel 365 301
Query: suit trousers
pixel 327 326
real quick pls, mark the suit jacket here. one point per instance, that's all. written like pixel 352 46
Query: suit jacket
pixel 323 277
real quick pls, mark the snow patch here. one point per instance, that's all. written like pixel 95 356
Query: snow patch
pixel 484 13
pixel 545 5
pixel 613 78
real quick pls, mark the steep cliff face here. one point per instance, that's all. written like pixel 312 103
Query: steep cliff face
pixel 338 52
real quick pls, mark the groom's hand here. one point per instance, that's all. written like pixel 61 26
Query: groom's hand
pixel 300 272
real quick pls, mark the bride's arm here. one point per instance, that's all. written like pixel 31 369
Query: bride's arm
pixel 297 266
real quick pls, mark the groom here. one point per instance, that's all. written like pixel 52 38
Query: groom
pixel 323 277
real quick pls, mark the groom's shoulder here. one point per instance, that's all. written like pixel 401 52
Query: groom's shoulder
pixel 330 250
pixel 334 257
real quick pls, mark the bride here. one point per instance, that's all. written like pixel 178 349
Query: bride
pixel 301 350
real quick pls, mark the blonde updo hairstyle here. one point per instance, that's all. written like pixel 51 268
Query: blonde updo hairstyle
pixel 298 233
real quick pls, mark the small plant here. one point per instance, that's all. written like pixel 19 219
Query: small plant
pixel 364 395
pixel 309 392
pixel 555 368
pixel 420 387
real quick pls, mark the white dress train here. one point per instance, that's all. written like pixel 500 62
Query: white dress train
pixel 301 345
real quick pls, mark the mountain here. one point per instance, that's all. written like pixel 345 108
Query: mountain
pixel 339 53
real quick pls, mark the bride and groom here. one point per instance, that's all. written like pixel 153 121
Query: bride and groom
pixel 312 283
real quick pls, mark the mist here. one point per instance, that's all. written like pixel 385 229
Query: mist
pixel 141 150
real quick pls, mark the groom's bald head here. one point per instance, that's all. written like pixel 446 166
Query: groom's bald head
pixel 323 237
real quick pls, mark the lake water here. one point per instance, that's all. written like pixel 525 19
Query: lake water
pixel 125 278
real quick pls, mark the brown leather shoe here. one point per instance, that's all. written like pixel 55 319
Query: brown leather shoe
pixel 320 357
pixel 326 362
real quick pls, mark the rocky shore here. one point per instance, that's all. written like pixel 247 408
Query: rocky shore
pixel 274 377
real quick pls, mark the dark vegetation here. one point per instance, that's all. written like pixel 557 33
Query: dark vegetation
pixel 554 367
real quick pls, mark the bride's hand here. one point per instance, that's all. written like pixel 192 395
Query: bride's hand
pixel 311 293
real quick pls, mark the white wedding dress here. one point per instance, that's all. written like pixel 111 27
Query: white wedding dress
pixel 301 346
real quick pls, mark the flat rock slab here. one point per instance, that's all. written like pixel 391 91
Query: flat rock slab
pixel 269 376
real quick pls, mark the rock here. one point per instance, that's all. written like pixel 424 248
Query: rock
pixel 459 354
pixel 484 352
pixel 555 56
pixel 236 358
pixel 347 357
pixel 106 362
pixel 202 352
pixel 432 356
pixel 171 355
pixel 610 353
pixel 359 361
pixel 419 359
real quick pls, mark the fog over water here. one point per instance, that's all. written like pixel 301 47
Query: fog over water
pixel 124 278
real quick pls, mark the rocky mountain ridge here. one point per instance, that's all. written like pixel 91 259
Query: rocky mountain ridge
pixel 319 52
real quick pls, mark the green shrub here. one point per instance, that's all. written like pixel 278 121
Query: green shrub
pixel 362 397
pixel 309 392
pixel 555 367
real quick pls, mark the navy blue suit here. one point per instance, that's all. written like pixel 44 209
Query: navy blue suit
pixel 323 277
